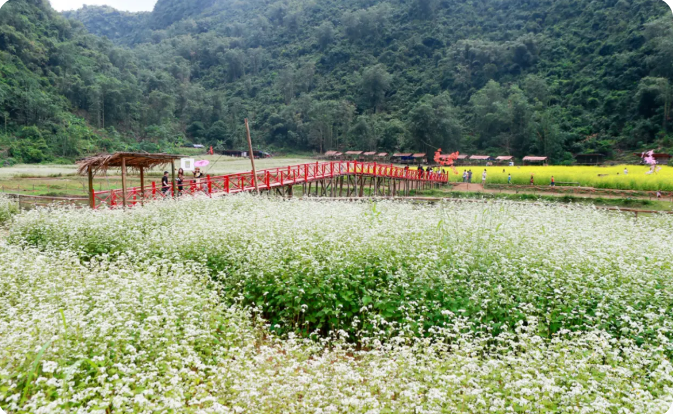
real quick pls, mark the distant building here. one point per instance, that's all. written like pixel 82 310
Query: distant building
pixel 662 159
pixel 531 159
pixel 589 159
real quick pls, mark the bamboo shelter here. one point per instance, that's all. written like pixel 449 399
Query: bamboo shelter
pixel 124 160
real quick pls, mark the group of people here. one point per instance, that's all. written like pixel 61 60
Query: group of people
pixel 467 176
pixel 425 172
pixel 180 182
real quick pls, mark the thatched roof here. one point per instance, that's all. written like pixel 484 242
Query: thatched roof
pixel 134 160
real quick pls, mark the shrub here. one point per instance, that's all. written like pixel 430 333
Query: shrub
pixel 8 208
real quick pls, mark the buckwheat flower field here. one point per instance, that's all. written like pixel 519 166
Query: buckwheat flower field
pixel 247 304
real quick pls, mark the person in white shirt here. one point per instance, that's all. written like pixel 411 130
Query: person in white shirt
pixel 483 177
pixel 626 171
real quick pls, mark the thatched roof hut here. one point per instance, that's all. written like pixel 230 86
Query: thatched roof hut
pixel 137 161
pixel 134 160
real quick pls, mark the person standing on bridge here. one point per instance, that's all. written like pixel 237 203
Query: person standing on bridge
pixel 180 181
pixel 164 183
pixel 198 176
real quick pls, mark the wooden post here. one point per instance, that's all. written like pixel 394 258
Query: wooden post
pixel 92 195
pixel 252 157
pixel 173 177
pixel 124 182
pixel 142 186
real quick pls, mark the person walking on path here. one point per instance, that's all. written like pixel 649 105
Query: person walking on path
pixel 164 183
pixel 464 176
pixel 553 182
pixel 509 179
pixel 469 176
pixel 483 178
pixel 532 180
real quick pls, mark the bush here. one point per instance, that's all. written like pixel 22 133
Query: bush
pixel 8 208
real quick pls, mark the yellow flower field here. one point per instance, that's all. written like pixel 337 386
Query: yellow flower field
pixel 586 176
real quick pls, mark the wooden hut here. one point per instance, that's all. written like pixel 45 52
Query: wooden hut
pixel 136 161
pixel 589 159
pixel 420 158
pixel 462 159
pixel 381 156
pixel 331 155
pixel 353 155
pixel 661 159
pixel 234 153
pixel 480 159
pixel 531 159
pixel 504 159
pixel 369 156
pixel 402 158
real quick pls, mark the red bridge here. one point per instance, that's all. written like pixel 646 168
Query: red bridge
pixel 329 179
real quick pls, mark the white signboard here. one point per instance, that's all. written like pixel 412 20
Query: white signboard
pixel 187 164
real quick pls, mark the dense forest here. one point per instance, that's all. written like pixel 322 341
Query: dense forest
pixel 519 77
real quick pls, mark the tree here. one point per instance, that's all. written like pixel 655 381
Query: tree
pixel 549 139
pixel 196 130
pixel 235 62
pixel 218 132
pixel 325 34
pixel 375 82
pixel 286 84
pixel 434 123
pixel 652 94
pixel 424 8
pixel 536 88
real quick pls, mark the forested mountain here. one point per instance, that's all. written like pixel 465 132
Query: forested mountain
pixel 550 77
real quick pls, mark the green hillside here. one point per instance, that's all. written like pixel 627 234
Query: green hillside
pixel 497 76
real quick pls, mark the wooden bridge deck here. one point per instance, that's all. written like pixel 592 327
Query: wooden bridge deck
pixel 332 179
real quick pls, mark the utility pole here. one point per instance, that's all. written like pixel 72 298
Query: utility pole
pixel 252 157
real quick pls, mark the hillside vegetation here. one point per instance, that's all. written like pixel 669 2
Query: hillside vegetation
pixel 503 77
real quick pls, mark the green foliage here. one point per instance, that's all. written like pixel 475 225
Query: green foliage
pixel 516 77
pixel 8 208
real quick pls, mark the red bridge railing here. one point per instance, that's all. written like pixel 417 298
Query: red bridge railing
pixel 267 180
